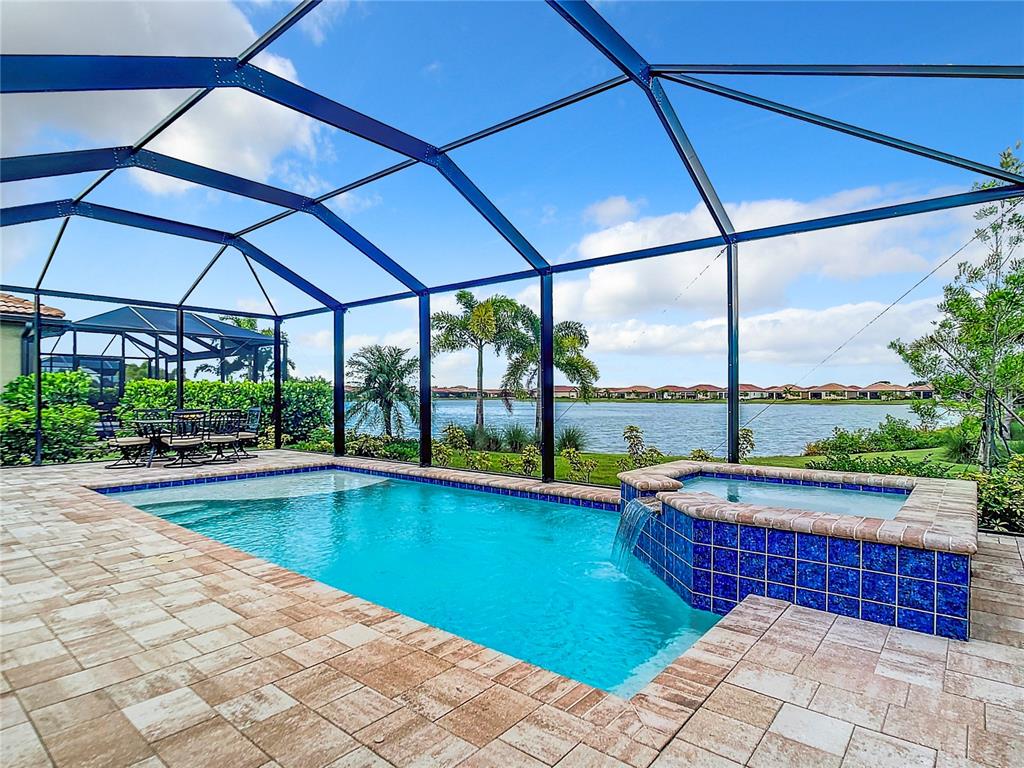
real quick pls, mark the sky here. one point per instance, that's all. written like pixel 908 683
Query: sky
pixel 596 178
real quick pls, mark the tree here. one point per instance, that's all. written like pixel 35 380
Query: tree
pixel 480 324
pixel 383 394
pixel 226 367
pixel 522 376
pixel 974 356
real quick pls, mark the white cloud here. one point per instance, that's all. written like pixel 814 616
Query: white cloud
pixel 433 68
pixel 351 203
pixel 768 268
pixel 252 304
pixel 322 339
pixel 318 22
pixel 230 129
pixel 612 210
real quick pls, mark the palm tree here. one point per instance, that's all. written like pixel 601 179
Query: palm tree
pixel 523 372
pixel 479 325
pixel 383 393
pixel 260 368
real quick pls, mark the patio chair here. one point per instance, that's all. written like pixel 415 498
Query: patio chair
pixel 186 437
pixel 131 446
pixel 249 432
pixel 222 432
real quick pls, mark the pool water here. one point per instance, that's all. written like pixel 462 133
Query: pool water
pixel 529 578
pixel 835 500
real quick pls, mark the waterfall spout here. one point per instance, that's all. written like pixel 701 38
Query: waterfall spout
pixel 631 523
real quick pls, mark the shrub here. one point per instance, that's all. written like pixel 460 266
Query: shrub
pixel 510 464
pixel 530 460
pixel 890 435
pixel 479 461
pixel 516 437
pixel 640 455
pixel 69 434
pixel 62 388
pixel 880 465
pixel 441 453
pixel 699 454
pixel 961 442
pixel 1001 497
pixel 455 438
pixel 571 438
pixel 746 446
pixel 580 468
pixel 486 439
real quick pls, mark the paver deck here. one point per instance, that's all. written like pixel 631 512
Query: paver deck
pixel 129 641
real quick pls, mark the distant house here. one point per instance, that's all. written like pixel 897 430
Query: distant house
pixel 832 391
pixel 884 390
pixel 671 392
pixel 15 334
pixel 635 392
pixel 787 392
pixel 564 390
pixel 706 391
pixel 753 392
pixel 458 391
pixel 922 391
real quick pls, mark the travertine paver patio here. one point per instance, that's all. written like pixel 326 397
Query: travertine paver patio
pixel 130 641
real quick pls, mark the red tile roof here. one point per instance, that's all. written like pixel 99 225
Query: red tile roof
pixel 15 305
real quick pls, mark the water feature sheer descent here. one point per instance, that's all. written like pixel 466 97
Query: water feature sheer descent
pixel 632 521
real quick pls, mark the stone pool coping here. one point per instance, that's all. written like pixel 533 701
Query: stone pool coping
pixel 939 514
pixel 129 637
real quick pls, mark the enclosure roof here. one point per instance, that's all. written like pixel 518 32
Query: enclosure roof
pixel 14 305
pixel 146 320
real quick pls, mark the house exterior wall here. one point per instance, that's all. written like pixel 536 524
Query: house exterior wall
pixel 10 351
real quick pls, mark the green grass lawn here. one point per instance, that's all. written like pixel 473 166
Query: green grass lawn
pixel 607 463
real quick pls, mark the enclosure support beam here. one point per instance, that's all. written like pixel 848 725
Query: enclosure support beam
pixel 546 380
pixel 37 353
pixel 339 382
pixel 426 432
pixel 733 331
pixel 277 382
pixel 180 342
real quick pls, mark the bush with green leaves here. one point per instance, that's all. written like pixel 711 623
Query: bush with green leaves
pixel 441 453
pixel 746 445
pixel 893 434
pixel 581 468
pixel 61 388
pixel 880 465
pixel 510 464
pixel 530 460
pixel 68 422
pixel 571 437
pixel 699 454
pixel 640 454
pixel 516 437
pixel 478 461
pixel 1001 497
pixel 961 442
pixel 455 438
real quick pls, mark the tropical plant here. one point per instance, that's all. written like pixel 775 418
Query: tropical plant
pixel 69 434
pixel 880 465
pixel 516 437
pixel 961 442
pixel 580 467
pixel 1001 497
pixel 974 354
pixel 478 461
pixel 455 438
pixel 60 388
pixel 531 460
pixel 480 324
pixel 441 453
pixel 639 453
pixel 699 454
pixel 384 396
pixel 746 445
pixel 571 436
pixel 522 376
pixel 510 464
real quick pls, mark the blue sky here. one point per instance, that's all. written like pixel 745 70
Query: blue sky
pixel 596 178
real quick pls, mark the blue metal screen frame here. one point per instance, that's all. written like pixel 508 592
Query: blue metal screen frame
pixel 58 73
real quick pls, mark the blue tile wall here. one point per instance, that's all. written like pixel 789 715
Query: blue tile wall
pixel 586 503
pixel 712 565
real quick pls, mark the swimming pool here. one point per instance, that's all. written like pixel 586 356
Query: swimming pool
pixel 838 501
pixel 532 579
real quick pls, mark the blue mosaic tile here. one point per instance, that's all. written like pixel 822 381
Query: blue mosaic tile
pixel 724 586
pixel 915 593
pixel 780 592
pixel 810 575
pixel 725 560
pixel 844 552
pixel 781 543
pixel 751 587
pixel 919 621
pixel 811 546
pixel 955 629
pixel 810 599
pixel 752 565
pixel 782 570
pixel 953 568
pixel 844 606
pixel 702 581
pixel 880 587
pixel 702 531
pixel 726 534
pixel 702 602
pixel 951 600
pixel 702 556
pixel 919 563
pixel 844 581
pixel 879 557
pixel 721 606
pixel 879 614
pixel 752 538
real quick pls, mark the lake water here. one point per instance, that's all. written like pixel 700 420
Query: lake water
pixel 678 428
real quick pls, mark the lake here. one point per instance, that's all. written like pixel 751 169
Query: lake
pixel 678 428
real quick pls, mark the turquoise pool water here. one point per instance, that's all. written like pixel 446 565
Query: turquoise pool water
pixel 834 500
pixel 528 578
